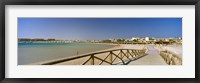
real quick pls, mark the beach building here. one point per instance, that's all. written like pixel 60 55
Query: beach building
pixel 146 38
pixel 134 38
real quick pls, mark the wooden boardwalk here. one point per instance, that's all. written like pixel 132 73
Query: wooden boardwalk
pixel 115 57
pixel 153 58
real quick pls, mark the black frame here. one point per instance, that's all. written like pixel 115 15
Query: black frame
pixel 97 2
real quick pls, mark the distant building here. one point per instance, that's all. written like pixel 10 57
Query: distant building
pixel 166 39
pixel 134 38
pixel 146 38
pixel 113 40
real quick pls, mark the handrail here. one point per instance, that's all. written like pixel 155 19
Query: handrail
pixel 170 58
pixel 134 54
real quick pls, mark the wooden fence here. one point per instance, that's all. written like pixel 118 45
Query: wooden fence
pixel 112 57
pixel 170 58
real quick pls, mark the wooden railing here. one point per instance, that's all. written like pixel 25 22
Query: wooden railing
pixel 170 58
pixel 111 57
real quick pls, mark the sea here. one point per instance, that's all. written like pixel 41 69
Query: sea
pixel 35 52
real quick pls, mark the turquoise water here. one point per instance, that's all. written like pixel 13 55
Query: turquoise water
pixel 29 53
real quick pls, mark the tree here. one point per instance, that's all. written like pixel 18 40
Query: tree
pixel 135 40
pixel 106 41
pixel 120 40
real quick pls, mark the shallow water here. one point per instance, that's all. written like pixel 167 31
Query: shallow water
pixel 37 52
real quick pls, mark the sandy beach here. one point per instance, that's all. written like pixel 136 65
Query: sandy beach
pixel 175 49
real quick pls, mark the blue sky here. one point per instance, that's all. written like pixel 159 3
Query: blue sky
pixel 98 28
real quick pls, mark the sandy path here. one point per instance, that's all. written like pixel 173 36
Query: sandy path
pixel 153 58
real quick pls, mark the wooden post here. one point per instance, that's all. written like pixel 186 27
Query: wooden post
pixel 139 52
pixel 133 53
pixel 111 57
pixel 136 52
pixel 127 53
pixel 92 59
pixel 121 54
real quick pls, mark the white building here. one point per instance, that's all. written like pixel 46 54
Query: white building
pixel 134 38
pixel 146 38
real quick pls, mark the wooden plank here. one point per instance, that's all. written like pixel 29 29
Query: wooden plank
pixel 92 59
pixel 119 58
pixel 86 61
pixel 102 60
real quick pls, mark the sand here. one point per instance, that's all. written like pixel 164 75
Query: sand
pixel 175 49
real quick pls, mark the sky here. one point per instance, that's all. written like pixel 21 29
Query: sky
pixel 98 28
